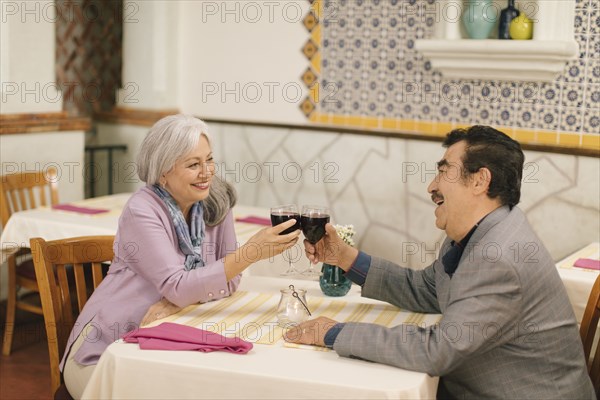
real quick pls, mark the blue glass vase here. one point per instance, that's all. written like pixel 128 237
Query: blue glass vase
pixel 479 18
pixel 333 282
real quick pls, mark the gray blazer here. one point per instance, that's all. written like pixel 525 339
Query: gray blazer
pixel 507 331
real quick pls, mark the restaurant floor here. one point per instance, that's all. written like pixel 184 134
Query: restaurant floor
pixel 25 374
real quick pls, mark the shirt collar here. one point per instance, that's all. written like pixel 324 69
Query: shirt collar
pixel 452 257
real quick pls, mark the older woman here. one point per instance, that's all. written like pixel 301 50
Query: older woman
pixel 175 245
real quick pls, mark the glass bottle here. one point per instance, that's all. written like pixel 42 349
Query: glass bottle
pixel 506 16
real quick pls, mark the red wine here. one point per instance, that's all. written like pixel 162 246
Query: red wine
pixel 283 216
pixel 314 227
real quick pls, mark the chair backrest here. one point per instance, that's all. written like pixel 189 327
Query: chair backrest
pixel 25 190
pixel 50 260
pixel 589 326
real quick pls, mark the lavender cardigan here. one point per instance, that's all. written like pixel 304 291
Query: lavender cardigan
pixel 148 265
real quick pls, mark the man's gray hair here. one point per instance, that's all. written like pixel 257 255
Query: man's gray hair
pixel 170 139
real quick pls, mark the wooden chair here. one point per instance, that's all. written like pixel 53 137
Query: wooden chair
pixel 22 191
pixel 51 260
pixel 589 325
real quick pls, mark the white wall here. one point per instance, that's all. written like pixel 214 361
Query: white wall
pixel 243 60
pixel 38 151
pixel 27 73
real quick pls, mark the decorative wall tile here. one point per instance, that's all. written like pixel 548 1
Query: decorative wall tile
pixel 594 21
pixel 593 70
pixel 526 116
pixel 550 117
pixel 591 121
pixel 582 22
pixel 592 98
pixel 571 119
pixel 504 115
pixel 572 95
pixel 382 37
pixel 582 4
pixel 594 45
pixel 550 94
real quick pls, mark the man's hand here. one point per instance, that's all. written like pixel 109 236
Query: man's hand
pixel 331 250
pixel 310 332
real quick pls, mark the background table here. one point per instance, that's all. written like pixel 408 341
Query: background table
pixel 579 281
pixel 273 369
pixel 52 224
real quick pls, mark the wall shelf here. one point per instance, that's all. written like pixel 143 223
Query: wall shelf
pixel 539 59
pixel 513 60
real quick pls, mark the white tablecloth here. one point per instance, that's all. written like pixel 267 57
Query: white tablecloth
pixel 579 281
pixel 272 370
pixel 52 224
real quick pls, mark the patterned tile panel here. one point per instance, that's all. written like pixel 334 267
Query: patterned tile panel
pixel 369 62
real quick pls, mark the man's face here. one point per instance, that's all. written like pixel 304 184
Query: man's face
pixel 452 193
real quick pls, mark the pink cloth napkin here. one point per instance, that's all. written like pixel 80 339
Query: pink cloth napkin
pixel 170 336
pixel 587 263
pixel 80 210
pixel 255 220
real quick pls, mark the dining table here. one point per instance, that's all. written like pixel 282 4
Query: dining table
pixel 273 368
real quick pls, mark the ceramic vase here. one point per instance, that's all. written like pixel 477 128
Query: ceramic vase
pixel 479 18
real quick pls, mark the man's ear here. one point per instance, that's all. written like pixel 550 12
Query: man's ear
pixel 482 180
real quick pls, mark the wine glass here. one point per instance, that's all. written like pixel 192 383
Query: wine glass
pixel 313 221
pixel 280 214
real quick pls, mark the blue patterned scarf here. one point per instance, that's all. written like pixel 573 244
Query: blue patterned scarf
pixel 190 240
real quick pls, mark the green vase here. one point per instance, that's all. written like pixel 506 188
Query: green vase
pixel 333 282
pixel 479 18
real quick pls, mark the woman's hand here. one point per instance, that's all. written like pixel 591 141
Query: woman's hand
pixel 268 242
pixel 159 310
pixel 331 250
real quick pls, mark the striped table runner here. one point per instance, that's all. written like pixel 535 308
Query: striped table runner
pixel 253 316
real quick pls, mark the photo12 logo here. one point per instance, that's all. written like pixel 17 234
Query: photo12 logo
pixel 252 11
pixel 51 11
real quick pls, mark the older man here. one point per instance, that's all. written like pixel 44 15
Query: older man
pixel 507 328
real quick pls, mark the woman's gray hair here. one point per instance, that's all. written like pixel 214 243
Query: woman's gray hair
pixel 170 139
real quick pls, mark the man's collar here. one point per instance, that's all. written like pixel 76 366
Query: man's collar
pixel 451 259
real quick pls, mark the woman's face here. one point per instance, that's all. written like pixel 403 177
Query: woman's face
pixel 189 180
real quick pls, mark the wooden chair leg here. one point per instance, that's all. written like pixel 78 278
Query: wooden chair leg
pixel 11 306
